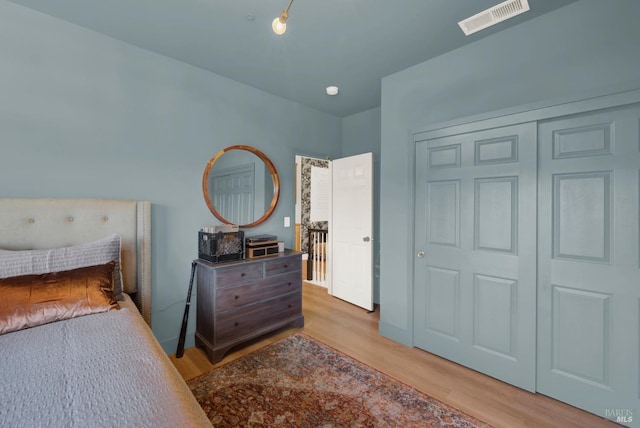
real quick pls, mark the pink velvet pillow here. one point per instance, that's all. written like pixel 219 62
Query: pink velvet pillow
pixel 31 300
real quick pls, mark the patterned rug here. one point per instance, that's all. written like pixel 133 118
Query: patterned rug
pixel 300 382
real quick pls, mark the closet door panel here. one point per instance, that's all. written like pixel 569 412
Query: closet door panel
pixel 589 270
pixel 475 269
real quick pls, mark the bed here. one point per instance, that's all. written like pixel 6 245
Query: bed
pixel 90 366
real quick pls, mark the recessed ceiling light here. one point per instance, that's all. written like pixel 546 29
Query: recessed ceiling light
pixel 332 90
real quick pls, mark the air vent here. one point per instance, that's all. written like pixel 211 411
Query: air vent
pixel 492 16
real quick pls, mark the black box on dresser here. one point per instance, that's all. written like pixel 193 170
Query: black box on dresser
pixel 221 246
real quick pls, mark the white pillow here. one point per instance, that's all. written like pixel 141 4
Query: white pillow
pixel 36 262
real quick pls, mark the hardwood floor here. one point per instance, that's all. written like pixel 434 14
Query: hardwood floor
pixel 355 332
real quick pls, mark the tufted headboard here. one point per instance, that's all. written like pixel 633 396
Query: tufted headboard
pixel 50 223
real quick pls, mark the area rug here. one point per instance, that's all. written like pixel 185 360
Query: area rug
pixel 300 382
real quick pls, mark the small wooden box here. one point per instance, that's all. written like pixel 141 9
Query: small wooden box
pixel 262 250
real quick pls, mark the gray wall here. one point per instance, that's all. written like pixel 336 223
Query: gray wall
pixel 85 115
pixel 586 48
pixel 361 134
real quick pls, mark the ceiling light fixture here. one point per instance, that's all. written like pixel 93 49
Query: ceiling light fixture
pixel 279 24
pixel 332 90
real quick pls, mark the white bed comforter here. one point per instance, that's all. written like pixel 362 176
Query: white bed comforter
pixel 99 370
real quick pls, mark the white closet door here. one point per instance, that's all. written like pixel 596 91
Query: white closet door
pixel 475 249
pixel 589 263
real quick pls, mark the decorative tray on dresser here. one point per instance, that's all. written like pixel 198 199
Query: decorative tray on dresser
pixel 240 300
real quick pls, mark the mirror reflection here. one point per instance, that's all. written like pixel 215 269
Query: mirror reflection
pixel 241 186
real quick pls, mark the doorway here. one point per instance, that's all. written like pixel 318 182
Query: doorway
pixel 312 217
pixel 334 225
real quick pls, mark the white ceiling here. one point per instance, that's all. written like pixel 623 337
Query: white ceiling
pixel 348 43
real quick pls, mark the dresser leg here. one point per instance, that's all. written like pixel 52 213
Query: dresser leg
pixel 299 323
pixel 213 354
pixel 216 355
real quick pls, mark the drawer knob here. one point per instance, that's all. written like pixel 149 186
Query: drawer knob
pixel 242 274
pixel 289 306
pixel 236 324
pixel 236 297
pixel 286 266
pixel 290 283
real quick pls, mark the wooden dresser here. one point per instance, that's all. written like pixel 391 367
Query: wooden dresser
pixel 240 300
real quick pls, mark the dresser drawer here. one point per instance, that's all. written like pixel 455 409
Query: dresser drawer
pixel 233 297
pixel 278 266
pixel 231 325
pixel 237 275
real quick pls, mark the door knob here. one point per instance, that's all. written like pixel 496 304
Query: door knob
pixel 420 254
pixel 366 239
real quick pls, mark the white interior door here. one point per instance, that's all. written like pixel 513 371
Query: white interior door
pixel 589 262
pixel 351 230
pixel 475 246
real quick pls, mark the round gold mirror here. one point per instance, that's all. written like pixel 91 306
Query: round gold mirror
pixel 241 186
